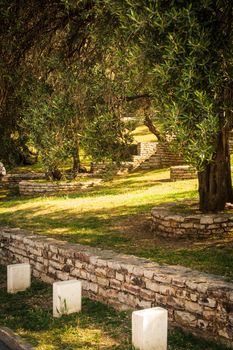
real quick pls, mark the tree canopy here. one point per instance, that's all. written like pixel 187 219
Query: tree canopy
pixel 173 57
pixel 188 49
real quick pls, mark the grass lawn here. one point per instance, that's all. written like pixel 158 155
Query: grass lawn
pixel 116 216
pixel 143 134
pixel 97 327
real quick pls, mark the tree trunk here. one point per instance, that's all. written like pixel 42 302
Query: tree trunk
pixel 148 122
pixel 3 93
pixel 215 185
pixel 76 159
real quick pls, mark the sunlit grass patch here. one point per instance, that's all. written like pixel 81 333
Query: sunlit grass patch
pixel 117 216
pixel 95 212
pixel 142 134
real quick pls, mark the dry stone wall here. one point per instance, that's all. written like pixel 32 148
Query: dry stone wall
pixel 169 223
pixel 162 158
pixel 199 302
pixel 182 172
pixel 231 142
pixel 28 188
pixel 150 155
pixel 12 180
pixel 157 155
pixel 145 149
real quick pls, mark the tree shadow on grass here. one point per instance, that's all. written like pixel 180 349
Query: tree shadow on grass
pixel 130 184
pixel 107 190
pixel 74 222
pixel 120 230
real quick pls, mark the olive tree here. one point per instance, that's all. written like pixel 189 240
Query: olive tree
pixel 187 47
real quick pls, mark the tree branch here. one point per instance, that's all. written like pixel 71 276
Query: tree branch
pixel 148 122
pixel 132 98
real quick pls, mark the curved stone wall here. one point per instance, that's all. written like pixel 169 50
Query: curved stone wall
pixel 171 222
pixel 198 302
pixel 30 188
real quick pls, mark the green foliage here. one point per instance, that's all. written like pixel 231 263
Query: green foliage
pixel 71 109
pixel 46 120
pixel 173 58
pixel 32 31
pixel 188 49
pixel 82 40
pixel 107 138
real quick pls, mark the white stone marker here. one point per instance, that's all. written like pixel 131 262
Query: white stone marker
pixel 67 297
pixel 18 277
pixel 149 329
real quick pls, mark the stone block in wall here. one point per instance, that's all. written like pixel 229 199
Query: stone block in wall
pixel 30 188
pixel 167 223
pixel 12 180
pixel 231 142
pixel 182 172
pixel 162 157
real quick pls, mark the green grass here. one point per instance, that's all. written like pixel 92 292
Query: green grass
pixel 142 134
pixel 116 216
pixel 97 327
pixel 38 166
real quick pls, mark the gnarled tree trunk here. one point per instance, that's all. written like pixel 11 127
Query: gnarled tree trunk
pixel 215 185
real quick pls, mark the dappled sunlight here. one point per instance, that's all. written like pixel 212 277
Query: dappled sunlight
pixel 117 216
pixel 142 134
pixel 142 192
pixel 73 337
pixel 90 217
pixel 68 211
